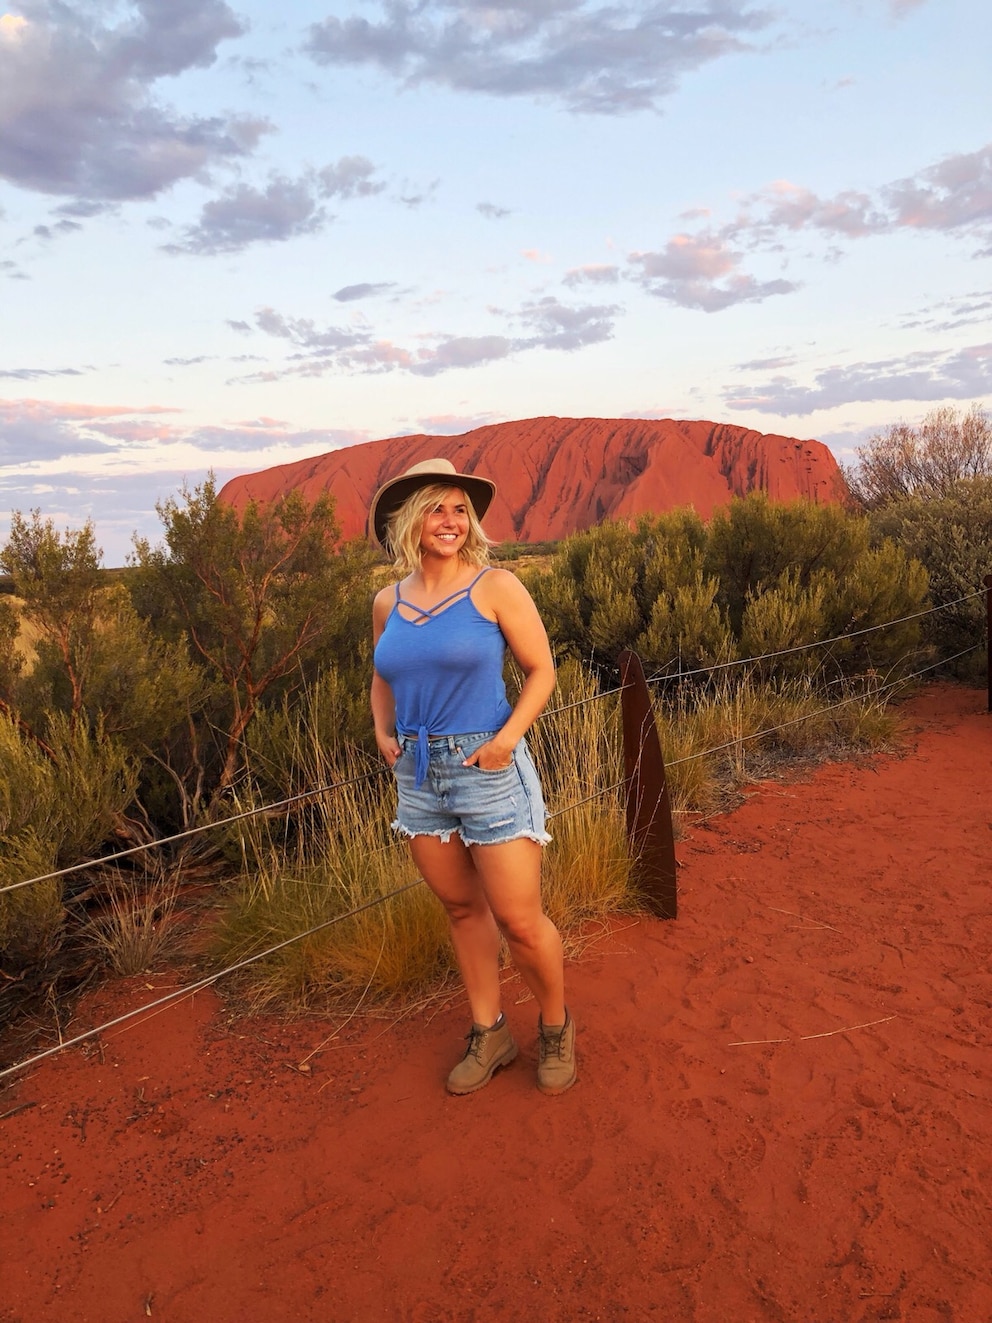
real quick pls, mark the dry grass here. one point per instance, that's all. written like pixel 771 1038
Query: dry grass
pixel 346 855
pixel 742 730
pixel 136 926
pixel 312 870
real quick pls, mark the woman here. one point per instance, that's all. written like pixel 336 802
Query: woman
pixel 469 798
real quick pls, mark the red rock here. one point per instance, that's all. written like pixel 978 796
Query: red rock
pixel 558 475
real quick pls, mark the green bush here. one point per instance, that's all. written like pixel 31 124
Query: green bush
pixel 760 578
pixel 56 808
pixel 952 536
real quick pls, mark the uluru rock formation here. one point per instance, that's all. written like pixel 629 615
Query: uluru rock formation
pixel 558 475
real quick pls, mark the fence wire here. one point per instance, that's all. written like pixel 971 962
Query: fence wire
pixel 188 990
pixel 339 785
pixel 818 643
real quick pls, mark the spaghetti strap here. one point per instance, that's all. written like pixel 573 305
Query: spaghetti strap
pixel 425 613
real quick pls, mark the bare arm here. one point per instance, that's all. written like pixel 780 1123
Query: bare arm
pixel 381 696
pixel 504 597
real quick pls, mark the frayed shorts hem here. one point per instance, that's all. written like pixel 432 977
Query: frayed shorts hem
pixel 445 834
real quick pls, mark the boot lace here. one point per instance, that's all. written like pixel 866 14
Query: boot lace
pixel 551 1042
pixel 476 1038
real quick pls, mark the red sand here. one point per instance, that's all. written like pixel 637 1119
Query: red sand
pixel 839 1175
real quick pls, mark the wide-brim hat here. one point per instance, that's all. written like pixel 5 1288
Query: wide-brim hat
pixel 392 494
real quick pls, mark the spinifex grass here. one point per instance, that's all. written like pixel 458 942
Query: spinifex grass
pixel 741 729
pixel 312 869
pixel 340 853
pixel 135 927
pixel 577 749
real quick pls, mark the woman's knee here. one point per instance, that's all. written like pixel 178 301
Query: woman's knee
pixel 466 909
pixel 529 930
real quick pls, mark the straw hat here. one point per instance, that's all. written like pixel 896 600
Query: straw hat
pixel 392 494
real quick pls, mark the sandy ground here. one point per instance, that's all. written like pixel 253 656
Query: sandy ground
pixel 784 1111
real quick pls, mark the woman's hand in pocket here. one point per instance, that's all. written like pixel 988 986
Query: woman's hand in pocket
pixel 490 757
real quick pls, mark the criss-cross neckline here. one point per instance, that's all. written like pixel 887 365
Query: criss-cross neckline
pixel 424 614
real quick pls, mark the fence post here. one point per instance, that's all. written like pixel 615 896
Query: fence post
pixel 988 635
pixel 649 809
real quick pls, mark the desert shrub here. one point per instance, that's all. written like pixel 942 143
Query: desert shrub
pixel 926 461
pixel 56 808
pixel 781 616
pixel 57 577
pixel 260 594
pixel 135 687
pixel 309 736
pixel 762 577
pixel 951 534
pixel 686 626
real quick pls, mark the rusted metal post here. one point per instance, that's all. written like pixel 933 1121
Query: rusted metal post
pixel 649 808
pixel 988 635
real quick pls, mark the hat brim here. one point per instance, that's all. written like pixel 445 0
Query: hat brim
pixel 392 494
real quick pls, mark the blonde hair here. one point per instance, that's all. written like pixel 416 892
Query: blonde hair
pixel 405 526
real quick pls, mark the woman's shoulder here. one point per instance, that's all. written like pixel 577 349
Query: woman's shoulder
pixel 495 585
pixel 384 600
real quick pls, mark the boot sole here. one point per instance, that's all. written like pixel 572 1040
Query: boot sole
pixel 498 1064
pixel 551 1091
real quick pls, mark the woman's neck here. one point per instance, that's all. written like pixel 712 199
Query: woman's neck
pixel 436 574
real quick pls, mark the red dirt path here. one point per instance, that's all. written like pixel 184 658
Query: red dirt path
pixel 840 1175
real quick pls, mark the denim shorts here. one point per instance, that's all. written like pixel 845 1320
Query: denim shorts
pixel 483 808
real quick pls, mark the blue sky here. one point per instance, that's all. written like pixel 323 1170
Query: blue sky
pixel 232 236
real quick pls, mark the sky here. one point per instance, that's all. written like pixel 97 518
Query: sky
pixel 235 236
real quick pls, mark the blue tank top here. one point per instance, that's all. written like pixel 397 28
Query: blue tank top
pixel 445 669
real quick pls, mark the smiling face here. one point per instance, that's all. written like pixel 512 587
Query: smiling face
pixel 446 525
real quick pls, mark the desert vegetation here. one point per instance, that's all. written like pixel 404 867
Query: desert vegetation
pixel 225 673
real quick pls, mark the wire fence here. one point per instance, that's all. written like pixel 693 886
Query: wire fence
pixel 305 795
pixel 817 643
pixel 209 980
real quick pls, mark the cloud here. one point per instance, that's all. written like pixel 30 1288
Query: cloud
pixel 549 323
pixel 559 326
pixel 34 374
pixel 590 58
pixel 80 113
pixel 35 430
pixel 704 269
pixel 253 438
pixel 453 424
pixel 460 351
pixel 50 456
pixel 301 331
pixel 423 194
pixel 960 374
pixel 491 211
pixel 954 195
pixel 364 290
pixel 950 314
pixel 790 207
pixel 592 274
pixel 285 209
pixel 700 271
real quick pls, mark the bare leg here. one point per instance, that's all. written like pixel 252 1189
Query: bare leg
pixel 449 870
pixel 511 878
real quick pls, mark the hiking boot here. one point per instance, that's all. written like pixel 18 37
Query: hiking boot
pixel 556 1069
pixel 487 1051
